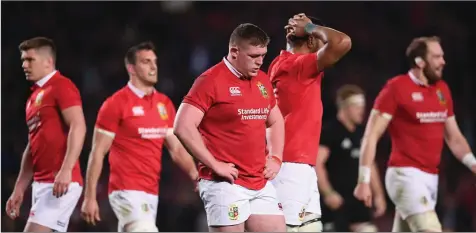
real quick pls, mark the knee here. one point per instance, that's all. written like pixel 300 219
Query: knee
pixel 424 222
pixel 141 226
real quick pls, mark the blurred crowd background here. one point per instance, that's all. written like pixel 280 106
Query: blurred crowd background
pixel 92 38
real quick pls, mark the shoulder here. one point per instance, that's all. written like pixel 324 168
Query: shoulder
pixel 119 98
pixel 163 98
pixel 398 80
pixel 61 81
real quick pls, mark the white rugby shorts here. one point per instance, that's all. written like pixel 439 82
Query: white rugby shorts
pixel 50 211
pixel 230 204
pixel 296 184
pixel 412 190
pixel 131 205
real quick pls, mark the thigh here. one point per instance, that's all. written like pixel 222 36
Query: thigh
pixel 265 223
pixel 356 211
pixel 293 191
pixel 130 206
pixel 225 204
pixel 50 211
pixel 408 191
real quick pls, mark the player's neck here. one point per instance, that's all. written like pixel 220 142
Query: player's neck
pixel 418 73
pixel 345 121
pixel 147 89
pixel 233 63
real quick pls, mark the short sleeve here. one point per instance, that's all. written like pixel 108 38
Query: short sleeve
pixel 109 116
pixel 171 111
pixel 307 64
pixel 386 102
pixel 449 101
pixel 202 94
pixel 67 95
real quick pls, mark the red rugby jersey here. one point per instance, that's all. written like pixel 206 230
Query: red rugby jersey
pixel 48 133
pixel 418 114
pixel 233 127
pixel 297 86
pixel 139 124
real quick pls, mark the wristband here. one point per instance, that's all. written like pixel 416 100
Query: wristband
pixel 277 159
pixel 309 28
pixel 364 174
pixel 469 160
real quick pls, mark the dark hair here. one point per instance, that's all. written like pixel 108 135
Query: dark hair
pixel 250 33
pixel 131 53
pixel 418 48
pixel 346 91
pixel 39 43
pixel 300 40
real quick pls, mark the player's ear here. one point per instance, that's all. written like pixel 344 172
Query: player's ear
pixel 130 68
pixel 420 62
pixel 233 52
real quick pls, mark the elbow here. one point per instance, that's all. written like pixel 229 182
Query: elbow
pixel 345 44
pixel 180 130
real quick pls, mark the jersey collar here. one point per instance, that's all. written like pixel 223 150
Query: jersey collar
pixel 45 79
pixel 231 68
pixel 136 90
pixel 415 79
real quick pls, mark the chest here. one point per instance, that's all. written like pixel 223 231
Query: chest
pixel 244 100
pixel 425 105
pixel 41 104
pixel 347 145
pixel 145 119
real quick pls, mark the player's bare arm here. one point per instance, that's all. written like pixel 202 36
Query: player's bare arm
pixel 186 129
pixel 337 43
pixel 74 118
pixel 180 156
pixel 23 181
pixel 102 141
pixel 275 138
pixel 378 194
pixel 458 144
pixel 376 126
pixel 331 197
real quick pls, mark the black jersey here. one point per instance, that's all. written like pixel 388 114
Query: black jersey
pixel 343 162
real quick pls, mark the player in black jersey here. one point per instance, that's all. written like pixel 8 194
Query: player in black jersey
pixel 338 164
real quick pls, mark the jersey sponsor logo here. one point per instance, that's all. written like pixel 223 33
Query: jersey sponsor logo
pixel 432 117
pixel 441 97
pixel 152 133
pixel 233 213
pixel 235 91
pixel 138 111
pixel 263 90
pixel 34 123
pixel 162 111
pixel 253 113
pixel 417 96
pixel 39 98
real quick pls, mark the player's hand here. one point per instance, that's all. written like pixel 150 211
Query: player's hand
pixel 363 193
pixel 62 181
pixel 333 200
pixel 14 204
pixel 296 25
pixel 380 206
pixel 271 168
pixel 90 211
pixel 227 171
